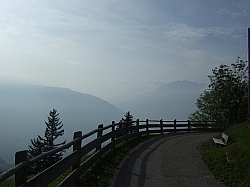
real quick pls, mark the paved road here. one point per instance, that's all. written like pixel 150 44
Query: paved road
pixel 166 161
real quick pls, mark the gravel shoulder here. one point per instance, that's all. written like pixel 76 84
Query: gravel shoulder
pixel 166 161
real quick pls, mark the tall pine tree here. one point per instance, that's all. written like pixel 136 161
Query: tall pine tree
pixel 47 143
pixel 52 132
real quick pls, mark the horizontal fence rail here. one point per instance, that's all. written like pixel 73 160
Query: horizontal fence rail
pixel 106 138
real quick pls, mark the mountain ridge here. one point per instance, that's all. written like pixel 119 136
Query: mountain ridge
pixel 4 165
pixel 175 100
pixel 24 109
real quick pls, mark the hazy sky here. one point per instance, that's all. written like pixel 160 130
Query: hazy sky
pixel 114 49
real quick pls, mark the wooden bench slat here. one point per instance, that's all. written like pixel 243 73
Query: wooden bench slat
pixel 218 141
pixel 222 141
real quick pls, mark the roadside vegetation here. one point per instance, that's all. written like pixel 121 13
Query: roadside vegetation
pixel 230 163
pixel 103 170
pixel 226 98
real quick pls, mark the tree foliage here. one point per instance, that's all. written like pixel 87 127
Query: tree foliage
pixel 226 97
pixel 36 148
pixel 127 121
pixel 47 143
pixel 128 118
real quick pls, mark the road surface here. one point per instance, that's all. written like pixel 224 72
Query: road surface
pixel 166 161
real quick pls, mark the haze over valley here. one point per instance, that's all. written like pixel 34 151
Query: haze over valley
pixel 24 109
pixel 95 60
pixel 171 101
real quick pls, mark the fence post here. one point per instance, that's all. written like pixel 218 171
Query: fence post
pixel 188 125
pixel 161 125
pixel 147 126
pixel 137 127
pixel 113 129
pixel 99 135
pixel 21 175
pixel 175 126
pixel 76 147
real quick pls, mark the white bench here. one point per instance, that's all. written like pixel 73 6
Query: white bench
pixel 222 141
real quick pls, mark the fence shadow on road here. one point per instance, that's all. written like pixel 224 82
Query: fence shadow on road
pixel 125 172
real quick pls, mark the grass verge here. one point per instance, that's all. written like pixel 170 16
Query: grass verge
pixel 231 163
pixel 102 171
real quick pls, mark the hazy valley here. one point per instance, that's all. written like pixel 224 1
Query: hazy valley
pixel 24 109
pixel 174 100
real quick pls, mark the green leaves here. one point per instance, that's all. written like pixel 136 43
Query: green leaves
pixel 226 97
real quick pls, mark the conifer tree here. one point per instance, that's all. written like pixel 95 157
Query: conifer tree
pixel 36 148
pixel 52 132
pixel 47 143
pixel 127 121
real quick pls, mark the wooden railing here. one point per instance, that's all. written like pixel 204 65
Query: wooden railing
pixel 106 137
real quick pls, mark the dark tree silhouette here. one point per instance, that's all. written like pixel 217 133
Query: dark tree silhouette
pixel 40 145
pixel 127 121
pixel 36 148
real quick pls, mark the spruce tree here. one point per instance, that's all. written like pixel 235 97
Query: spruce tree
pixel 36 148
pixel 52 132
pixel 127 121
pixel 47 143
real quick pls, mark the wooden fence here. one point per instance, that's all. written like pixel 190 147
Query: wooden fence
pixel 106 138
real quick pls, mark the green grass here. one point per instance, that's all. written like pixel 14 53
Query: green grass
pixel 11 182
pixel 6 183
pixel 102 171
pixel 231 163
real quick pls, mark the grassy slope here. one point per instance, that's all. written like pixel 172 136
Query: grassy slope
pixel 230 164
pixel 102 171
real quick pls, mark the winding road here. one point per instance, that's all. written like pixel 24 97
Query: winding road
pixel 166 161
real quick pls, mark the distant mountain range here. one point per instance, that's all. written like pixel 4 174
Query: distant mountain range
pixel 24 109
pixel 4 165
pixel 174 100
